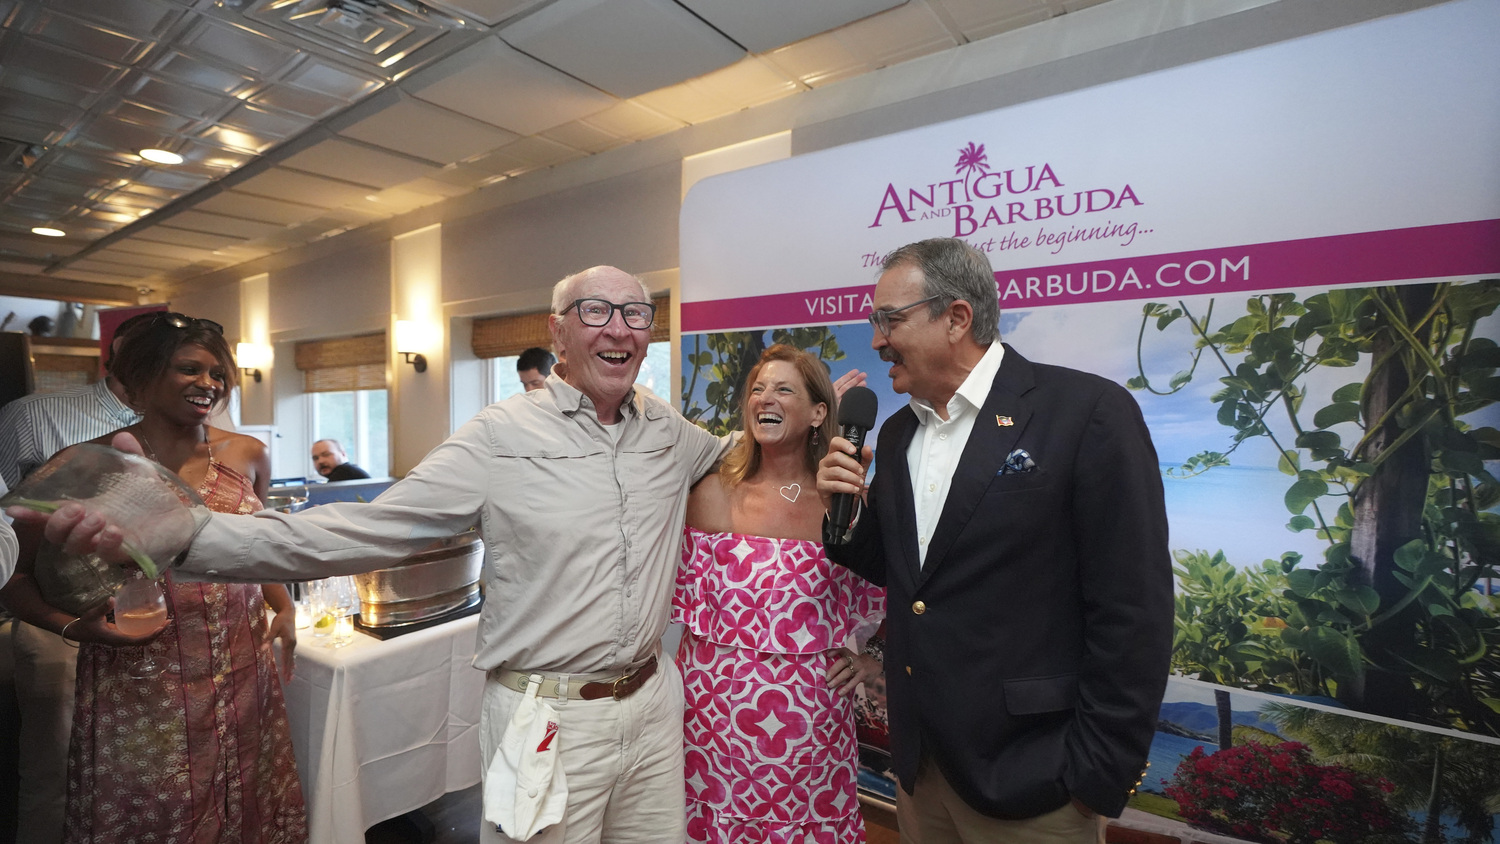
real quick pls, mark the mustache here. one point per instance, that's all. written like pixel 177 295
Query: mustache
pixel 890 355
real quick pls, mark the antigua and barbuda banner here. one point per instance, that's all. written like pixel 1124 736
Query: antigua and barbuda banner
pixel 1292 256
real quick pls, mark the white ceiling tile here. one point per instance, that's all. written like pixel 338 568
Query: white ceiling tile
pixel 584 38
pixel 110 268
pixel 185 237
pixel 132 259
pixel 492 82
pixel 524 155
pixel 137 246
pixel 767 24
pixel 978 19
pixel 203 221
pixel 435 187
pixel 818 61
pixel 357 163
pixel 747 83
pixel 580 135
pixel 296 186
pixel 258 208
pixel 904 32
pixel 426 131
pixel 400 199
pixel 486 11
pixel 632 120
pixel 72 273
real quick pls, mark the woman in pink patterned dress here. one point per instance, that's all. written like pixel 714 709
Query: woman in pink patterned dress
pixel 201 752
pixel 770 747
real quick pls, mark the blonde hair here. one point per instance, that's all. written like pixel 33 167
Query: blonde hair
pixel 744 460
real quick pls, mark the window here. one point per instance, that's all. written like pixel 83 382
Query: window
pixel 358 419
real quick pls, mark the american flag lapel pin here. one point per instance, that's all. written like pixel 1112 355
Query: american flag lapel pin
pixel 1004 421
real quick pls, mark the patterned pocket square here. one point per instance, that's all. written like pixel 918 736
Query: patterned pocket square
pixel 1019 462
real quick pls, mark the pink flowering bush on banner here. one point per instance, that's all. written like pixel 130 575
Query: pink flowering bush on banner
pixel 1279 795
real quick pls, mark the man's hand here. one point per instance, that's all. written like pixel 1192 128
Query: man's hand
pixel 77 530
pixel 838 471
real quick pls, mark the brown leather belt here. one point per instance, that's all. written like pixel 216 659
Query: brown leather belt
pixel 619 688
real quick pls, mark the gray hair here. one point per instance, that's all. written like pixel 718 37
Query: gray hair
pixel 952 270
pixel 562 292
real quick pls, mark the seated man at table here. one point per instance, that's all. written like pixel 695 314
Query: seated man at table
pixel 332 463
pixel 579 495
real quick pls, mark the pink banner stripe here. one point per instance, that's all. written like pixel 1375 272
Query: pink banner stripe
pixel 1451 250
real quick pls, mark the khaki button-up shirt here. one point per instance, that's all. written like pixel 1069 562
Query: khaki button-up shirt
pixel 582 534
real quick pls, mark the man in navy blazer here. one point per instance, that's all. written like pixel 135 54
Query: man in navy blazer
pixel 1018 525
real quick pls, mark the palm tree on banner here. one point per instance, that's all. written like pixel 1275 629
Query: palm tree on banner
pixel 971 160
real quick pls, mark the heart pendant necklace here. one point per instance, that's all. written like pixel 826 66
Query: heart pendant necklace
pixel 791 491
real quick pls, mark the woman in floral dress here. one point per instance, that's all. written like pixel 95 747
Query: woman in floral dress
pixel 770 746
pixel 201 753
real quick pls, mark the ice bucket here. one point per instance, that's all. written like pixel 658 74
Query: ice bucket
pixel 424 586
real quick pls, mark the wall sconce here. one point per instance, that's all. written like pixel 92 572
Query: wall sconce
pixel 251 357
pixel 411 336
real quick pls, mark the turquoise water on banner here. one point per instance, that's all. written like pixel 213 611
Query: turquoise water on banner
pixel 1240 511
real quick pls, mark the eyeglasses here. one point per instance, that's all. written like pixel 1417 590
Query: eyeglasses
pixel 183 321
pixel 881 319
pixel 596 313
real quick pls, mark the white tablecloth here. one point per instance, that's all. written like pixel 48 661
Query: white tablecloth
pixel 383 727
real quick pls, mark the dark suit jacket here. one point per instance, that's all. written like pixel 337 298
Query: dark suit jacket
pixel 347 472
pixel 1029 656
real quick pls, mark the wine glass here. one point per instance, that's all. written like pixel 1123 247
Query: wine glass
pixel 140 608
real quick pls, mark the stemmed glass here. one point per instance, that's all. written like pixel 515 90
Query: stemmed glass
pixel 140 608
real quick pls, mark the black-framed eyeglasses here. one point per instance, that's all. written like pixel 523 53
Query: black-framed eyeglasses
pixel 184 321
pixel 881 318
pixel 596 313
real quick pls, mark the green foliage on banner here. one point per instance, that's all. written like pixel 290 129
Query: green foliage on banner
pixel 1398 617
pixel 722 361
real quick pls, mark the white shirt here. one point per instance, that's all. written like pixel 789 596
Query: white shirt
pixel 935 448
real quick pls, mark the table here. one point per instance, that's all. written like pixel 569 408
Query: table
pixel 383 727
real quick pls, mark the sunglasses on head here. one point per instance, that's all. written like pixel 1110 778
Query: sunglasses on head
pixel 183 321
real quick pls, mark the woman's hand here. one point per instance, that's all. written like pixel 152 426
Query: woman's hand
pixel 283 626
pixel 852 378
pixel 850 669
pixel 95 627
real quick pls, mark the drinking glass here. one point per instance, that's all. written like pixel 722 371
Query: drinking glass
pixel 140 607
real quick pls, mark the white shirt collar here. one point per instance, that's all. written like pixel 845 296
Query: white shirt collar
pixel 971 393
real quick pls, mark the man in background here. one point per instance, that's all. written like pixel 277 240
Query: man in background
pixel 32 429
pixel 533 367
pixel 331 462
pixel 1019 526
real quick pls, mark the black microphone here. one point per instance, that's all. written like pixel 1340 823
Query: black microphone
pixel 856 418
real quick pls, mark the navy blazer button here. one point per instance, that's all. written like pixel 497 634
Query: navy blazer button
pixel 919 608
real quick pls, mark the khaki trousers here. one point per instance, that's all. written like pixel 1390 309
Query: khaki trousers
pixel 937 815
pixel 622 759
pixel 46 671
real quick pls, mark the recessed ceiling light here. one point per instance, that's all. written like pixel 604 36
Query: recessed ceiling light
pixel 161 156
pixel 46 232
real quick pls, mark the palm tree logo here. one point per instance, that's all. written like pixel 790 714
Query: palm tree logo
pixel 971 160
